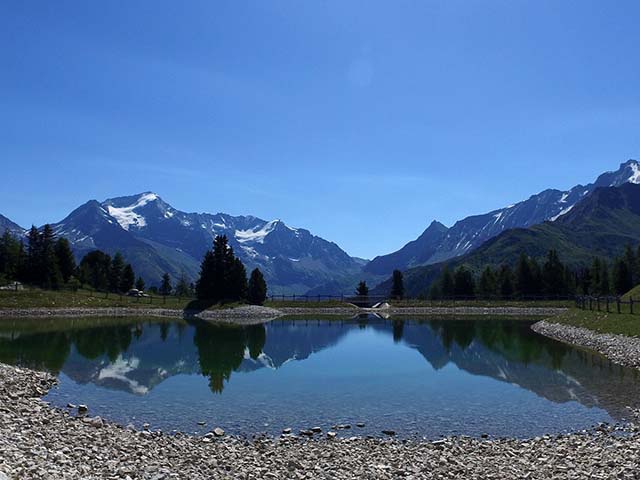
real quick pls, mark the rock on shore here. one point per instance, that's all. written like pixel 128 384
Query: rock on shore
pixel 37 441
pixel 618 348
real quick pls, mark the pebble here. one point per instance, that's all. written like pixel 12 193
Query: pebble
pixel 37 441
pixel 218 432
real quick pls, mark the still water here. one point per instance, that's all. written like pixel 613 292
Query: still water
pixel 419 378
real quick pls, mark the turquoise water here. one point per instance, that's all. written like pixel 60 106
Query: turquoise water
pixel 424 379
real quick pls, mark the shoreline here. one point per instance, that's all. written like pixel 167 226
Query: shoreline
pixel 38 441
pixel 620 349
pixel 257 314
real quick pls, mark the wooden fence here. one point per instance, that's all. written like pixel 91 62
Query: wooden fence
pixel 610 304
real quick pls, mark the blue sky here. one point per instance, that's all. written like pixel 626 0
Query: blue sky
pixel 361 121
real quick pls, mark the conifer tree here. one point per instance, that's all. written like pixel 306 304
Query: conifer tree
pixel 115 272
pixel 257 288
pixel 50 276
pixel 165 285
pixel 65 258
pixel 128 278
pixel 182 287
pixel 553 275
pixel 506 282
pixel 464 284
pixel 94 270
pixel 363 289
pixel 447 286
pixel 605 282
pixel 140 284
pixel 632 264
pixel 488 284
pixel 397 287
pixel 524 277
pixel 205 286
pixel 621 277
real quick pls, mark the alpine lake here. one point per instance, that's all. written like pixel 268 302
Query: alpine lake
pixel 418 378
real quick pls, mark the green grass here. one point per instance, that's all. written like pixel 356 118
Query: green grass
pixel 36 298
pixel 634 292
pixel 602 322
pixel 483 303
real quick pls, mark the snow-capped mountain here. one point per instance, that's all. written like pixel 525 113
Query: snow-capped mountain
pixel 471 232
pixel 155 237
pixel 14 228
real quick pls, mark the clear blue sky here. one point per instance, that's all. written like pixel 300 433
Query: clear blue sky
pixel 361 121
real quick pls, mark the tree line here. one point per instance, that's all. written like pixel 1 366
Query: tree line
pixel 549 278
pixel 45 261
pixel 48 262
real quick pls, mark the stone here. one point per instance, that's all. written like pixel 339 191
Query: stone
pixel 218 432
pixel 331 434
pixel 389 432
pixel 360 425
pixel 286 431
pixel 316 430
pixel 83 409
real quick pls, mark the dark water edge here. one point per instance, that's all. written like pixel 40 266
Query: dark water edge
pixel 418 378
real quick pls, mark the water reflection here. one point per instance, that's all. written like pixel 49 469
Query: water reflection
pixel 135 356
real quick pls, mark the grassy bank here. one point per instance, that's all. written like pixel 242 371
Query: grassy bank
pixel 36 298
pixel 602 322
pixel 483 303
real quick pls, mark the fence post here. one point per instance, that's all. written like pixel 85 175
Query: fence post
pixel 607 304
pixel 598 303
pixel 618 303
pixel 631 305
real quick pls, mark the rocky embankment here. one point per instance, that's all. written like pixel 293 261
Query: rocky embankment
pixel 241 315
pixel 618 348
pixel 37 441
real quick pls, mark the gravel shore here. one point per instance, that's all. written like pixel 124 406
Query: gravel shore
pixel 618 348
pixel 241 315
pixel 37 441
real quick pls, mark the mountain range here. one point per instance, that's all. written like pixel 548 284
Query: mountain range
pixel 437 243
pixel 157 238
pixel 602 224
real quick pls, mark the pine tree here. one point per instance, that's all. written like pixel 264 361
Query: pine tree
pixel 205 286
pixel 506 282
pixel 182 287
pixel 435 291
pixel 222 274
pixel 65 259
pixel 115 272
pixel 397 287
pixel 128 278
pixel 621 277
pixel 605 282
pixel 632 263
pixel 553 275
pixel 140 284
pixel 50 276
pixel 257 288
pixel 94 270
pixel 595 271
pixel 165 285
pixel 488 284
pixel 464 284
pixel 524 277
pixel 363 289
pixel 447 286
pixel 34 256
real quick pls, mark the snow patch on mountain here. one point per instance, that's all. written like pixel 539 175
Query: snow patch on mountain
pixel 127 216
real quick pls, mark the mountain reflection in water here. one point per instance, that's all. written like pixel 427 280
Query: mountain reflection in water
pixel 136 356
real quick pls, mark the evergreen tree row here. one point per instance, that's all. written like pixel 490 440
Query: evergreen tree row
pixel 46 261
pixel 224 278
pixel 550 279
